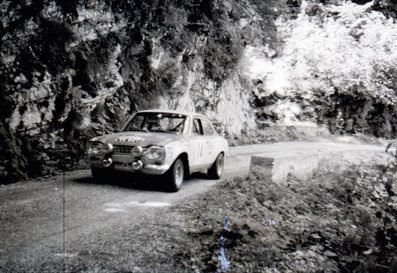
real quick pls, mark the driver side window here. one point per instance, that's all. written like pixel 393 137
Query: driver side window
pixel 197 128
pixel 207 127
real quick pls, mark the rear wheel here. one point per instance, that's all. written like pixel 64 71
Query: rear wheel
pixel 216 170
pixel 175 175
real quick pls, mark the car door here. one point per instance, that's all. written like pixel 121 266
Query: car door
pixel 209 142
pixel 196 139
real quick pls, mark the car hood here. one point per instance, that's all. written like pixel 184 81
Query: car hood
pixel 143 139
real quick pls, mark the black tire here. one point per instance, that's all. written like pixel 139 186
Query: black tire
pixel 175 176
pixel 216 170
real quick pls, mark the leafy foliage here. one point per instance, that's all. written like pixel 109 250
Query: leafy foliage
pixel 340 48
pixel 338 62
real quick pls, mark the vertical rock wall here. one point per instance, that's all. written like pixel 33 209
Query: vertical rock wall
pixel 70 70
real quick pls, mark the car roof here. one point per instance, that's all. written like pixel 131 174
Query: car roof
pixel 186 113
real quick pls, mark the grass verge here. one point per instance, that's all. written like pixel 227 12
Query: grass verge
pixel 333 222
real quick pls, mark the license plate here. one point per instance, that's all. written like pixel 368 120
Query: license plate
pixel 127 167
pixel 122 159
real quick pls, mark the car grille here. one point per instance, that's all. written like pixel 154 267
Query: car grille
pixel 122 149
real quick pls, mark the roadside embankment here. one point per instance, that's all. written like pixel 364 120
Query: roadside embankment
pixel 338 216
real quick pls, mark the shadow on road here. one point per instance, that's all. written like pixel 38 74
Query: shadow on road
pixel 135 181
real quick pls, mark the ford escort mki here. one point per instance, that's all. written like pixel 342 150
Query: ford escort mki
pixel 171 144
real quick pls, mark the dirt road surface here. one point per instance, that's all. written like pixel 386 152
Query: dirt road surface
pixel 67 223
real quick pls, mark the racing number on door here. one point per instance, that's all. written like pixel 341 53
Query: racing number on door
pixel 198 131
pixel 205 131
pixel 208 135
pixel 200 150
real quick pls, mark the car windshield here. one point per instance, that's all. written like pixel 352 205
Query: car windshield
pixel 157 122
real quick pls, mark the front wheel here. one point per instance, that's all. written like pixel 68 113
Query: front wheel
pixel 176 175
pixel 99 175
pixel 216 170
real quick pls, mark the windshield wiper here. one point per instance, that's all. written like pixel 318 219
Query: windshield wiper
pixel 160 130
pixel 137 130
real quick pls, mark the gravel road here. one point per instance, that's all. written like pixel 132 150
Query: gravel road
pixel 67 223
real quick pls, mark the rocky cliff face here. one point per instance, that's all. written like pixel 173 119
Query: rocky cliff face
pixel 70 70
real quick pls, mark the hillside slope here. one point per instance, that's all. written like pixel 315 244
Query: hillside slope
pixel 72 70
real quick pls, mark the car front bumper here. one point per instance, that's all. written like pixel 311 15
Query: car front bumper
pixel 129 164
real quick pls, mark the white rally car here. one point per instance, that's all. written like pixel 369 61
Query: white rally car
pixel 156 142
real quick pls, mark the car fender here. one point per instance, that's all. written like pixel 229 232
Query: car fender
pixel 175 149
pixel 221 146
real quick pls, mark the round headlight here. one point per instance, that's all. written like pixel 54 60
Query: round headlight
pixel 95 148
pixel 155 153
pixel 107 148
pixel 137 151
